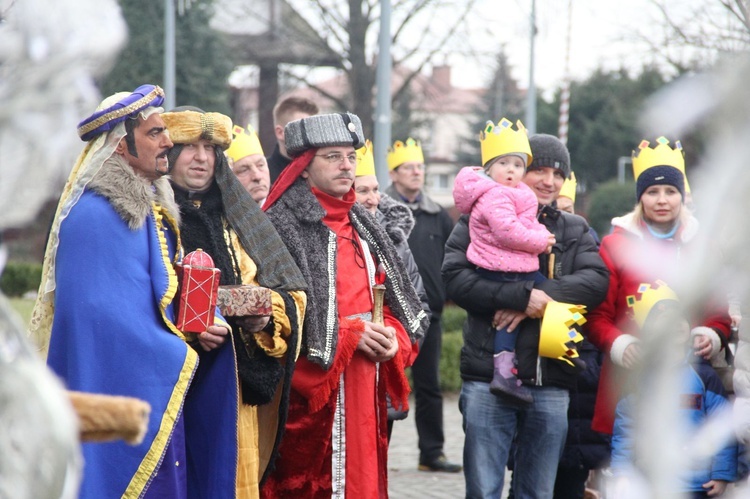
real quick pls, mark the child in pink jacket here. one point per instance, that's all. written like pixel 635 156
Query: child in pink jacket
pixel 506 239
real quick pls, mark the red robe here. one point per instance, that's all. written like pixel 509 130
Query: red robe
pixel 313 431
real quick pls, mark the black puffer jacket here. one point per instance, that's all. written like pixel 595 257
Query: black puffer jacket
pixel 584 448
pixel 580 277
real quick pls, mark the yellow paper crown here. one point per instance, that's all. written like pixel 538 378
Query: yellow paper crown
pixel 661 155
pixel 557 335
pixel 400 153
pixel 568 189
pixel 187 127
pixel 365 160
pixel 501 139
pixel 244 143
pixel 647 297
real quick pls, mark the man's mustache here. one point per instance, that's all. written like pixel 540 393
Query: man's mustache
pixel 163 154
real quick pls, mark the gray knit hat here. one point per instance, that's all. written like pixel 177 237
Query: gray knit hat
pixel 323 130
pixel 548 150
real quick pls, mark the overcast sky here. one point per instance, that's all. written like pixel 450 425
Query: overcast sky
pixel 604 33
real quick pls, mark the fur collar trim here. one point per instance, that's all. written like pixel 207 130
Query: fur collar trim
pixel 398 219
pixel 298 216
pixel 630 225
pixel 130 194
pixel 302 202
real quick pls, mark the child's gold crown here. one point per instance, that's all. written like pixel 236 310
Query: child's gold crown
pixel 501 139
pixel 400 153
pixel 557 335
pixel 647 297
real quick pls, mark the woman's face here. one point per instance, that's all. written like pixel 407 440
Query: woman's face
pixel 661 205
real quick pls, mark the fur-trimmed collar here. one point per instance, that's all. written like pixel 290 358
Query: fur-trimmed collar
pixel 298 216
pixel 397 218
pixel 629 224
pixel 302 202
pixel 130 194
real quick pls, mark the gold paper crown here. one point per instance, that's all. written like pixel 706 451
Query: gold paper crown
pixel 568 189
pixel 187 127
pixel 661 155
pixel 400 153
pixel 365 160
pixel 557 337
pixel 647 297
pixel 501 139
pixel 244 143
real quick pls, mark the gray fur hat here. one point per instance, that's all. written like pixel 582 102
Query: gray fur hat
pixel 548 150
pixel 323 130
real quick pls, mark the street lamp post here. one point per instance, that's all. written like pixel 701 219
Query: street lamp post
pixel 169 55
pixel 531 95
pixel 383 98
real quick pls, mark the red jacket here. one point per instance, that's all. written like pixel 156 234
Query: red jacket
pixel 633 256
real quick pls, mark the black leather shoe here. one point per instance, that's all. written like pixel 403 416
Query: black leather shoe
pixel 440 464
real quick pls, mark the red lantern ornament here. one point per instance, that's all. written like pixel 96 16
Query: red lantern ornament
pixel 199 285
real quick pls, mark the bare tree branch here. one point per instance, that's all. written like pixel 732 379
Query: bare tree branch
pixel 434 51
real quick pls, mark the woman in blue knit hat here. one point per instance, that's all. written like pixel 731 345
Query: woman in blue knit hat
pixel 649 244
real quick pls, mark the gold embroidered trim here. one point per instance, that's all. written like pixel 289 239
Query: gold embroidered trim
pixel 207 127
pixel 123 111
pixel 152 458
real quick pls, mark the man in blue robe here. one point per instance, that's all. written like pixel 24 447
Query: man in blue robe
pixel 106 304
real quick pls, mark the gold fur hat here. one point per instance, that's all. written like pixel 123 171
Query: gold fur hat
pixel 188 126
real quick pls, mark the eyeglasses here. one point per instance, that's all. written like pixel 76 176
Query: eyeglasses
pixel 336 158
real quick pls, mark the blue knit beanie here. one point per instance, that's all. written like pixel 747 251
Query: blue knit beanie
pixel 660 175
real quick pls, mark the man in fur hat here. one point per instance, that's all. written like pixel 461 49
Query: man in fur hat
pixel 336 440
pixel 220 217
pixel 105 303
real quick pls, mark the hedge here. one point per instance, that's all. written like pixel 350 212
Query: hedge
pixel 20 277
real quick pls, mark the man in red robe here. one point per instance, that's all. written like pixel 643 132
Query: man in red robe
pixel 335 442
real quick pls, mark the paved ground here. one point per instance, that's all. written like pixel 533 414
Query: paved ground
pixel 405 481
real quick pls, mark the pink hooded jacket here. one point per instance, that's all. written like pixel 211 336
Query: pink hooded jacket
pixel 505 234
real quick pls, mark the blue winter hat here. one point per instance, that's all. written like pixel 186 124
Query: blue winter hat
pixel 660 175
pixel 127 106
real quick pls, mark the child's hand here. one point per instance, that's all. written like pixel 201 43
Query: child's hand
pixel 702 346
pixel 550 242
pixel 715 488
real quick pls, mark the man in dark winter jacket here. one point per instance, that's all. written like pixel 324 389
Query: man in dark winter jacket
pixel 576 275
pixel 427 241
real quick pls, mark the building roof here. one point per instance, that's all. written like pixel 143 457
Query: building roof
pixel 255 34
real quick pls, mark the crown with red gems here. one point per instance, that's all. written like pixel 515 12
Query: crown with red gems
pixel 647 297
pixel 404 152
